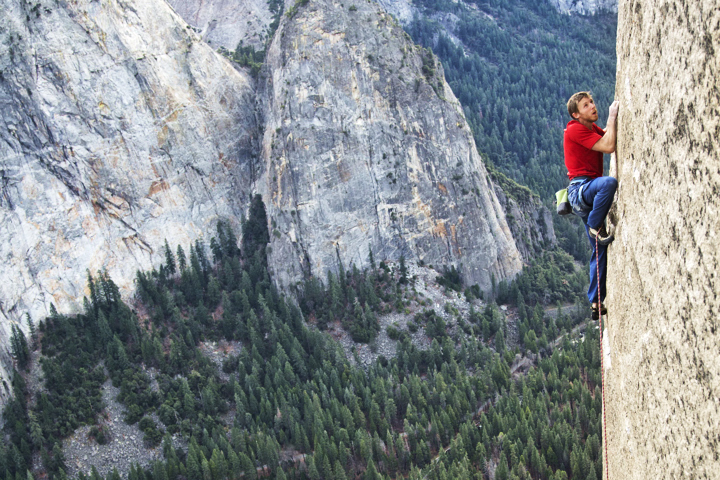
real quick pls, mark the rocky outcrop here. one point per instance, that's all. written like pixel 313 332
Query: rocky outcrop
pixel 663 371
pixel 225 23
pixel 119 128
pixel 529 220
pixel 585 7
pixel 402 10
pixel 366 148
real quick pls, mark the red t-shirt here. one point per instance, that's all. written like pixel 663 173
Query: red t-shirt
pixel 580 159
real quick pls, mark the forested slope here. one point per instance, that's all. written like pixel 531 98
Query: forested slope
pixel 290 404
pixel 513 64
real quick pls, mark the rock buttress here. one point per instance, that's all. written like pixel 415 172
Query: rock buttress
pixel 366 147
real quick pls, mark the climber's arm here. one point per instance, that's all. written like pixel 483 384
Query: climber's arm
pixel 608 142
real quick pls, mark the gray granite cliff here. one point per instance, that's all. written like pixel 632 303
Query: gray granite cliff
pixel 366 147
pixel 121 128
pixel 225 23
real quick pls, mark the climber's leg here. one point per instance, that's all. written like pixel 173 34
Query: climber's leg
pixel 599 193
pixel 602 254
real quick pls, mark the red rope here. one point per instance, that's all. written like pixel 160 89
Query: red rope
pixel 602 358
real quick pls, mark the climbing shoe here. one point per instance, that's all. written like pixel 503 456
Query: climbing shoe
pixel 596 312
pixel 603 238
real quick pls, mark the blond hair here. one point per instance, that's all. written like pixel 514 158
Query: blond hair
pixel 572 104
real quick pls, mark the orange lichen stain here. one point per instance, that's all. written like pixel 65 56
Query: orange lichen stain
pixel 173 116
pixel 157 186
pixel 277 194
pixel 439 229
pixel 442 188
pixel 453 239
pixel 162 135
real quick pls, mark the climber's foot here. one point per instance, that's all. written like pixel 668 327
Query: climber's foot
pixel 596 313
pixel 603 238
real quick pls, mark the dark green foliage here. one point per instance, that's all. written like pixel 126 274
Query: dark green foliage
pixel 550 278
pixel 152 434
pixel 247 56
pixel 450 279
pixel 255 230
pixel 571 237
pixel 169 259
pixel 434 324
pixel 99 433
pixel 19 346
pixel 291 388
pixel 354 298
pixel 395 333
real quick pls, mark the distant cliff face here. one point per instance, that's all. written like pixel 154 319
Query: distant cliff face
pixel 530 222
pixel 663 383
pixel 366 148
pixel 119 128
pixel 404 10
pixel 224 23
pixel 585 7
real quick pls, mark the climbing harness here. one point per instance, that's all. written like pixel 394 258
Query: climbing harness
pixel 602 357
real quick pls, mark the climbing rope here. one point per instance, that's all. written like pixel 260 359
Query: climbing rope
pixel 602 357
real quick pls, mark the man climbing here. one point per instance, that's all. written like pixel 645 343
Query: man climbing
pixel 590 193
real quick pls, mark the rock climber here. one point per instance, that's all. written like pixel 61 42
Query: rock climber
pixel 590 193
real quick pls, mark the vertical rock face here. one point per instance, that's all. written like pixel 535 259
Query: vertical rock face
pixel 224 23
pixel 119 129
pixel 366 147
pixel 530 222
pixel 663 381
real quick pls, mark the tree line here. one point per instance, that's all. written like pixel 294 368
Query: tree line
pixel 290 404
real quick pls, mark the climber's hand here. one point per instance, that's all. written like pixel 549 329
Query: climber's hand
pixel 614 110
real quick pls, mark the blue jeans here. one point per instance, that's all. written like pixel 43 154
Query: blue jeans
pixel 591 201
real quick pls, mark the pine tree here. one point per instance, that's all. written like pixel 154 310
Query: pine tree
pixel 247 466
pixel 338 471
pixel 193 468
pixel 501 472
pixel 159 472
pixel 94 475
pixel 169 259
pixel 36 433
pixel 19 347
pixel 33 332
pixel 181 259
pixel 255 234
pixel 205 469
pixel 403 271
pixel 371 473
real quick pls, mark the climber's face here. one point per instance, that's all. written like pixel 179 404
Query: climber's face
pixel 587 113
